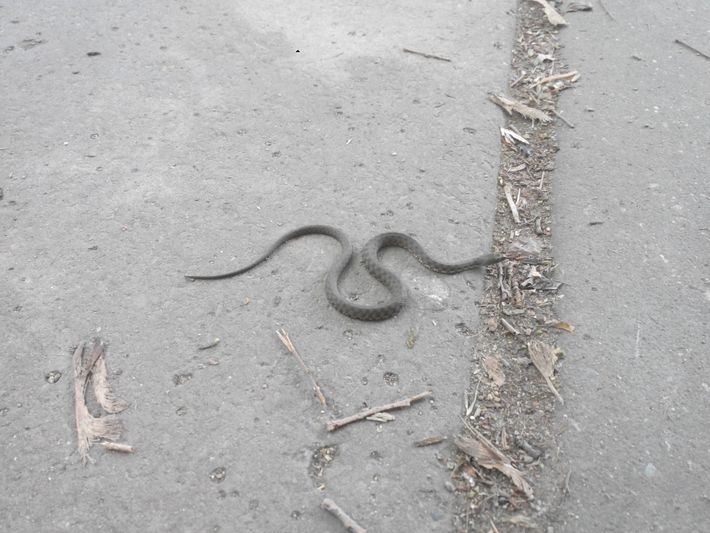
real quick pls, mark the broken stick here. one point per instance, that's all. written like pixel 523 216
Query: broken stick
pixel 289 346
pixel 407 402
pixel 350 525
pixel 118 447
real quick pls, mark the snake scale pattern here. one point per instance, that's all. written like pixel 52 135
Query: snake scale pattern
pixel 371 261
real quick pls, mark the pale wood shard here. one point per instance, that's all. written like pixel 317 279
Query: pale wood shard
pixel 511 203
pixel 381 417
pixel 511 137
pixel 509 105
pixel 348 523
pixel 118 447
pixel 332 425
pixel 551 13
pixel 571 76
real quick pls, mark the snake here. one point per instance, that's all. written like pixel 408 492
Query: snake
pixel 371 261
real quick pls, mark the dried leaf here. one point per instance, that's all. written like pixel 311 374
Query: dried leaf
pixel 552 15
pixel 493 369
pixel 510 105
pixel 488 456
pixel 544 358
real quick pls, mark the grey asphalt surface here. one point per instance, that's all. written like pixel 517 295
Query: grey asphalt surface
pixel 198 133
pixel 636 377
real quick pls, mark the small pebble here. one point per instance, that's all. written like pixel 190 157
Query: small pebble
pixel 218 474
pixel 53 376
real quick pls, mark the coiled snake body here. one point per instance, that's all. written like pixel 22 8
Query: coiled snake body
pixel 371 261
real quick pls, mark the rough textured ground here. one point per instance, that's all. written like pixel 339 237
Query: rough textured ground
pixel 145 140
pixel 631 238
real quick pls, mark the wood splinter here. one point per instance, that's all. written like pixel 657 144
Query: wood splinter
pixel 350 525
pixel 407 402
pixel 118 447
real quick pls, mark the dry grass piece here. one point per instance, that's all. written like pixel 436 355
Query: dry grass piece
pixel 87 362
pixel 544 358
pixel 488 456
pixel 510 105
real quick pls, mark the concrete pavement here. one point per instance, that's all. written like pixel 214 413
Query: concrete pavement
pixel 631 239
pixel 144 140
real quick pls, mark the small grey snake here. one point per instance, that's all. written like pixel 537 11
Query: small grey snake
pixel 371 261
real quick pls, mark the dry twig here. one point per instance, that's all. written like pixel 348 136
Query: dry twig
pixel 350 525
pixel 407 402
pixel 289 346
pixel 507 325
